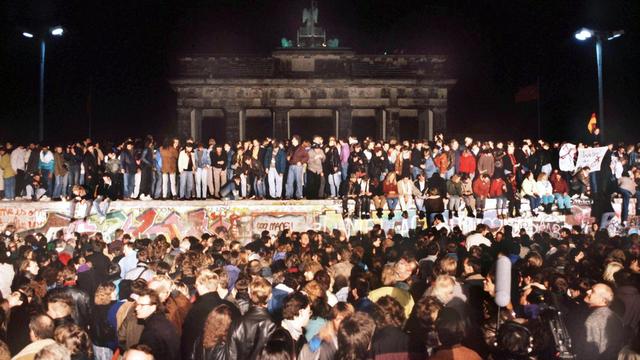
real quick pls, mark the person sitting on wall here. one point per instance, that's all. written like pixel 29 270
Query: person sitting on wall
pixel 231 190
pixel 350 190
pixel 79 195
pixel 35 191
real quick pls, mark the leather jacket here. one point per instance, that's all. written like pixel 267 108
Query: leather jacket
pixel 250 334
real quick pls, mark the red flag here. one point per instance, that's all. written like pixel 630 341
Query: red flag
pixel 592 125
pixel 527 93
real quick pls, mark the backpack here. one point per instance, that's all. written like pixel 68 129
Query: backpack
pixel 124 288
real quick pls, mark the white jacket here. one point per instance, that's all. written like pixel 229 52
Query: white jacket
pixel 183 161
pixel 528 187
pixel 544 188
pixel 19 159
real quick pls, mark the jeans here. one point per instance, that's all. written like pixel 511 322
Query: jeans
pixel 74 175
pixel 201 182
pixel 564 201
pixel 334 183
pixel 534 202
pixel 101 205
pixel 39 192
pixel 258 187
pixel 392 203
pixel 295 175
pixel 10 188
pixel 157 184
pixel 47 182
pixel 166 179
pixel 501 203
pixel 129 184
pixel 275 183
pixel 344 171
pixel 593 182
pixel 415 171
pixel 186 184
pixel 546 199
pixel 626 196
pixel 61 186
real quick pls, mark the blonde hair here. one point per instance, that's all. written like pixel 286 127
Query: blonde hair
pixel 208 279
pixel 610 270
pixel 449 266
pixel 389 274
pixel 442 288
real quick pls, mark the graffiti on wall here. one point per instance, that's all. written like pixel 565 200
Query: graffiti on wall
pixel 243 220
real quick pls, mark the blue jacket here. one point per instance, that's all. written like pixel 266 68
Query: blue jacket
pixel 158 160
pixel 203 159
pixel 281 160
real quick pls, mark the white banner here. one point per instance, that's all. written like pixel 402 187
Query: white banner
pixel 567 156
pixel 591 157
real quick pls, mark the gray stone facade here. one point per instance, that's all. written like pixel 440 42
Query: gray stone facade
pixel 313 79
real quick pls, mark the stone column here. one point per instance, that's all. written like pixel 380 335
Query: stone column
pixel 184 123
pixel 280 123
pixel 393 123
pixel 196 125
pixel 344 122
pixel 423 124
pixel 439 120
pixel 381 123
pixel 232 122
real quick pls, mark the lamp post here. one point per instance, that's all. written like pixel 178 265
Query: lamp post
pixel 600 36
pixel 54 31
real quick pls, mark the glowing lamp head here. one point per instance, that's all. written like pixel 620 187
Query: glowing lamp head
pixel 57 31
pixel 584 34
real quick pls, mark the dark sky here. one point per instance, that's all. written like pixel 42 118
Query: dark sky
pixel 120 54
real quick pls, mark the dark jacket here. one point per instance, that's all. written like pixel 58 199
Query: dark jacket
pixel 218 352
pixel 250 334
pixel 194 322
pixel 297 155
pixel 160 335
pixel 333 160
pixel 128 162
pixel 281 160
pixel 390 342
pixel 90 166
pixel 215 158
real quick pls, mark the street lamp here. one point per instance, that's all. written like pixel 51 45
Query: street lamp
pixel 57 31
pixel 600 36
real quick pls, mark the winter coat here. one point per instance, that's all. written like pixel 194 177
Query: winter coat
pixel 467 164
pixel 194 322
pixel 250 334
pixel 169 160
pixel 486 164
pixel 160 335
pixel 281 160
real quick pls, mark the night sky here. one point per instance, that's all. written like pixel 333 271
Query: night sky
pixel 114 60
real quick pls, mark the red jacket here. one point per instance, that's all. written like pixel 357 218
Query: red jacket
pixel 559 186
pixel 481 188
pixel 467 164
pixel 497 187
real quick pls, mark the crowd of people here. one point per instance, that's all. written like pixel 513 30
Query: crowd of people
pixel 320 295
pixel 434 177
